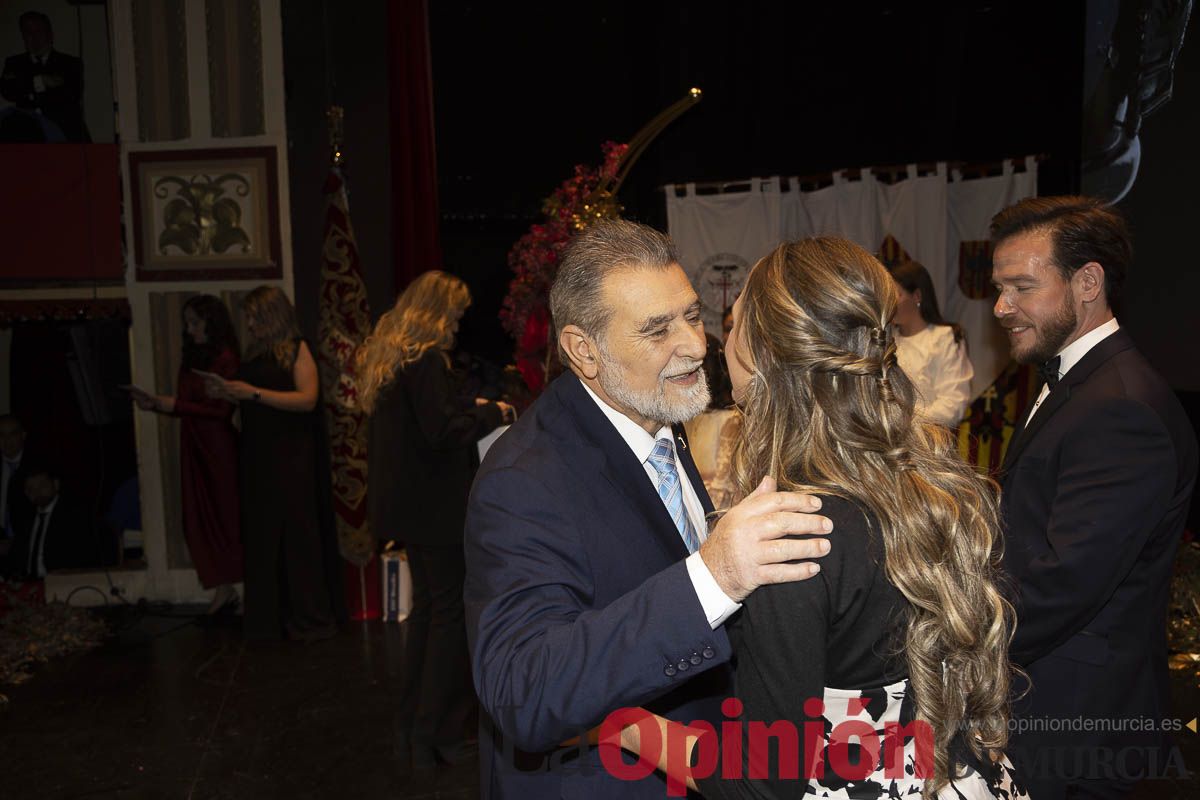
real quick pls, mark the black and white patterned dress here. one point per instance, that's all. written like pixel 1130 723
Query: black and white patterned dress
pixel 795 642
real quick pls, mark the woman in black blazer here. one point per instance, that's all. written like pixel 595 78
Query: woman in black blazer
pixel 423 458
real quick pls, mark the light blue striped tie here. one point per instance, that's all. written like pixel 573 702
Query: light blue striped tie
pixel 671 492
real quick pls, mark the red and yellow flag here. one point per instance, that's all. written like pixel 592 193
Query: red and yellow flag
pixel 345 321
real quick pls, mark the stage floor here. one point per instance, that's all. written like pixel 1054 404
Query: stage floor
pixel 171 710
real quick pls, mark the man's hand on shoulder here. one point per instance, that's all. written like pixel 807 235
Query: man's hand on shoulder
pixel 747 549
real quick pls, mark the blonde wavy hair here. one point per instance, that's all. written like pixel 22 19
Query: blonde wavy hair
pixel 827 411
pixel 422 319
pixel 276 330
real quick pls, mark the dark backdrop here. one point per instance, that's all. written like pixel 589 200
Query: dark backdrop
pixel 337 52
pixel 1164 207
pixel 789 88
pixel 523 92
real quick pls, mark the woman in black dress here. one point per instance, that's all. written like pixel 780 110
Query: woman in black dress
pixel 423 458
pixel 892 663
pixel 278 388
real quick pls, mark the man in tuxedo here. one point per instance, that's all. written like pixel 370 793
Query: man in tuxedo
pixel 45 81
pixel 1096 486
pixel 60 535
pixel 593 582
pixel 16 512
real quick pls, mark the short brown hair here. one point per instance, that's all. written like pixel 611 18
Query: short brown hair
pixel 603 248
pixel 1082 229
pixel 34 16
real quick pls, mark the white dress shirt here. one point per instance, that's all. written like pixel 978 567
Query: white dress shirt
pixel 39 81
pixel 1069 356
pixel 717 605
pixel 939 370
pixel 41 519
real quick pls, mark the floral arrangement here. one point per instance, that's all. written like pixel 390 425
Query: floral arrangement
pixel 33 632
pixel 1183 619
pixel 574 205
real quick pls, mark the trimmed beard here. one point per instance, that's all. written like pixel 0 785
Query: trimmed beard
pixel 654 405
pixel 1053 333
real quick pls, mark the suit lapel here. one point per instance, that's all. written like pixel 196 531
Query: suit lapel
pixel 630 478
pixel 1061 393
pixel 684 454
pixel 621 469
pixel 1055 400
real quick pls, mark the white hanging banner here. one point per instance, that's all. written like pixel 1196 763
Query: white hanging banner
pixel 913 224
pixel 968 298
pixel 942 224
pixel 848 208
pixel 907 217
pixel 720 237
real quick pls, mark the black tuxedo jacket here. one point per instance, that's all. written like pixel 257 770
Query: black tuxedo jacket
pixel 60 103
pixel 578 601
pixel 1095 496
pixel 71 541
pixel 19 508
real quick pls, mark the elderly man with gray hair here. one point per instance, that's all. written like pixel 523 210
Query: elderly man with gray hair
pixel 593 580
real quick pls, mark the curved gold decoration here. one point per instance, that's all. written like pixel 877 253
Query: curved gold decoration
pixel 335 117
pixel 602 203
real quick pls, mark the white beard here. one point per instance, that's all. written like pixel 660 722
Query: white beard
pixel 655 405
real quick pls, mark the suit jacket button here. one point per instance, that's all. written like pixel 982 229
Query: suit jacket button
pixel 707 652
pixel 683 665
pixel 695 659
pixel 669 671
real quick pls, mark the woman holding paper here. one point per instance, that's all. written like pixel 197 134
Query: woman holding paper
pixel 423 456
pixel 207 449
pixel 289 588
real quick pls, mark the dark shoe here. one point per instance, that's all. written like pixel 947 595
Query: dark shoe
pixel 424 757
pixel 229 608
pixel 313 635
pixel 459 752
pixel 219 619
pixel 427 757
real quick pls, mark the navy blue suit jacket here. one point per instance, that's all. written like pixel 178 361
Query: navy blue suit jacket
pixel 1096 494
pixel 578 601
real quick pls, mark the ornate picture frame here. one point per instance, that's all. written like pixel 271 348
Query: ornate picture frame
pixel 205 214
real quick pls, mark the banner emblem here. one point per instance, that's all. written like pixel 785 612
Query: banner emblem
pixel 891 253
pixel 975 269
pixel 718 281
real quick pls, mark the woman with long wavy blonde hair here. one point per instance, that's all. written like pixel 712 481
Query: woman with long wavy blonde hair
pixel 425 317
pixel 907 609
pixel 893 661
pixel 423 458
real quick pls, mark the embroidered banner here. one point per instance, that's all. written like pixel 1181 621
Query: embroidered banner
pixel 344 323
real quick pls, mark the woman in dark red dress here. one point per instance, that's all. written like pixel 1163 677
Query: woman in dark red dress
pixel 207 449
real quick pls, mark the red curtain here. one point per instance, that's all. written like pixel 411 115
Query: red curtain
pixel 415 240
pixel 60 212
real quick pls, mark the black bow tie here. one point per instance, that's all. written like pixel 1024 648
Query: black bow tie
pixel 1049 371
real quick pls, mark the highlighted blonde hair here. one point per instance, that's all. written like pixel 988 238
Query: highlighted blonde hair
pixel 826 410
pixel 422 319
pixel 276 330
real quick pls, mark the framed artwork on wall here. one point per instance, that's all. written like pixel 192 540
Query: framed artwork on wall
pixel 205 214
